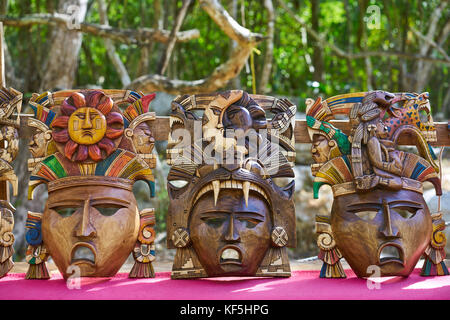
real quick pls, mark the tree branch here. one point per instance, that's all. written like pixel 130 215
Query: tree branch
pixel 228 25
pixel 245 39
pixel 143 36
pixel 172 39
pixel 2 59
pixel 268 56
pixel 423 68
pixel 111 49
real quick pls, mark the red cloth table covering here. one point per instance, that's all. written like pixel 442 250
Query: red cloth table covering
pixel 301 285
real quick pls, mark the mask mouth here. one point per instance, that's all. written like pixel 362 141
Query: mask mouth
pixel 390 253
pixel 88 133
pixel 231 255
pixel 83 253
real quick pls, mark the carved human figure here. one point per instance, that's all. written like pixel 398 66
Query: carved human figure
pixel 9 139
pixel 38 144
pixel 320 148
pixel 143 139
pixel 370 132
pixel 139 131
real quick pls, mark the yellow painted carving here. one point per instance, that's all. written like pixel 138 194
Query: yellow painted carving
pixel 87 126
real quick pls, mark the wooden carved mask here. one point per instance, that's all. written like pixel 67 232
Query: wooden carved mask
pixel 383 228
pixel 379 219
pixel 239 234
pixel 90 223
pixel 228 216
pixel 91 220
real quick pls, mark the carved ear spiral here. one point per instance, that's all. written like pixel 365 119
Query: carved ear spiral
pixel 325 241
pixel 7 239
pixel 48 135
pixel 33 224
pixel 128 132
pixel 279 237
pixel 146 235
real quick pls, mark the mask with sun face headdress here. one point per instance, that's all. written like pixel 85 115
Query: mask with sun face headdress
pixel 379 217
pixel 10 106
pixel 229 215
pixel 91 219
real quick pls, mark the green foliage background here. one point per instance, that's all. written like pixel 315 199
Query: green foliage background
pixel 339 21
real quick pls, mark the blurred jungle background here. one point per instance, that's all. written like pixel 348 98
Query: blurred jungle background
pixel 295 49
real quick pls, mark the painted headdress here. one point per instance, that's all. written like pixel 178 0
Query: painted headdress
pixel 207 159
pixel 85 145
pixel 10 107
pixel 368 158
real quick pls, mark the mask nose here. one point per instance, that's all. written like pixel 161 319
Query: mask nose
pixel 232 235
pixel 388 230
pixel 85 230
pixel 87 124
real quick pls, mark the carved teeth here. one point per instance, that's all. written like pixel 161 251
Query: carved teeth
pixel 229 253
pixel 173 120
pixel 245 186
pixel 83 253
pixel 216 187
pixel 246 190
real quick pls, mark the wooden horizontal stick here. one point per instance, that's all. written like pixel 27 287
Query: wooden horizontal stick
pixel 160 129
pixel 442 133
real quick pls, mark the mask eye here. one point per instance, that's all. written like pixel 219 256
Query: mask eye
pixel 214 222
pixel 107 210
pixel 406 212
pixel 282 182
pixel 423 116
pixel 367 215
pixel 178 183
pixel 249 223
pixel 65 212
pixel 216 111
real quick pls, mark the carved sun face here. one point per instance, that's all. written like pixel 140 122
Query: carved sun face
pixel 87 126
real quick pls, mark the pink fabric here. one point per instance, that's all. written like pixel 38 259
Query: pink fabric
pixel 301 285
